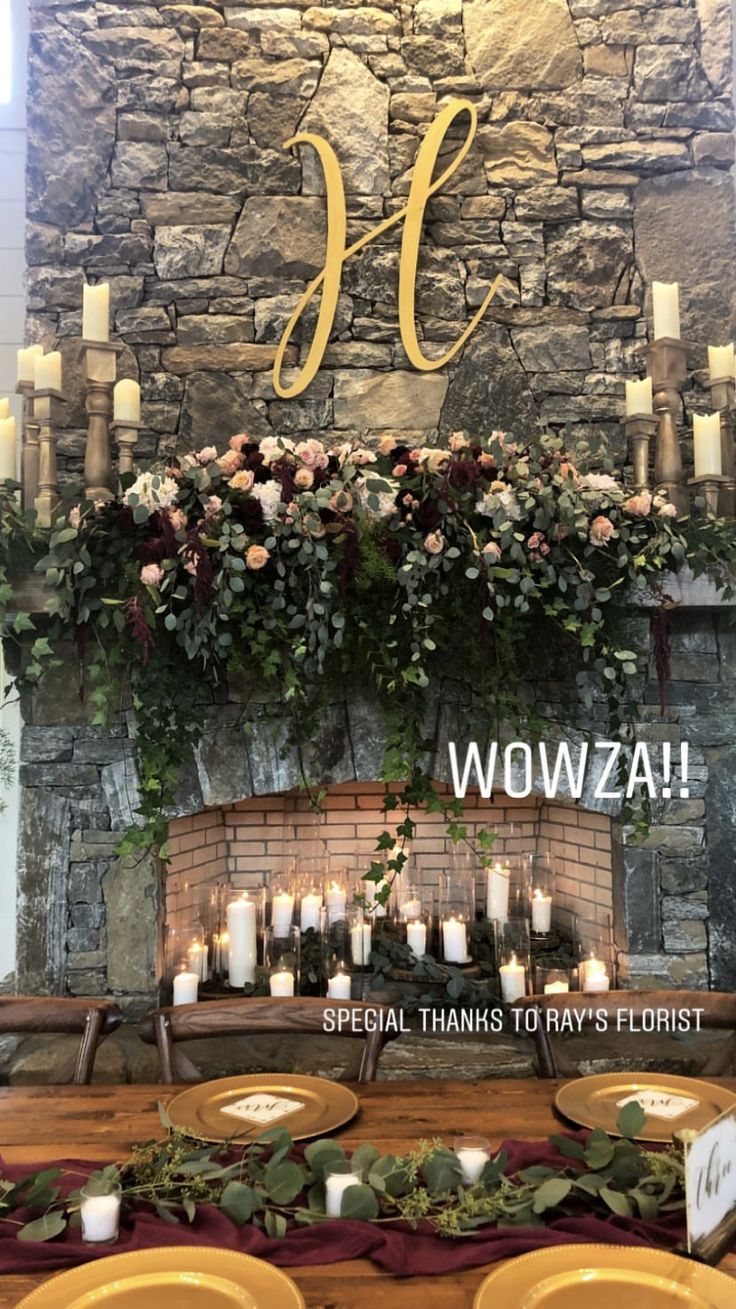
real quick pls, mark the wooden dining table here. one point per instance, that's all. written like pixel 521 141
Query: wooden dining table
pixel 101 1123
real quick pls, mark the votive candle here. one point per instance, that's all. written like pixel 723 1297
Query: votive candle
pixel 513 980
pixel 336 1184
pixel 339 986
pixel 556 988
pixel 186 987
pixel 594 977
pixel 473 1153
pixel 281 983
pixel 100 1216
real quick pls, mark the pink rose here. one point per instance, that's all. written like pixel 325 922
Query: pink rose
pixel 458 442
pixel 242 481
pixel 668 511
pixel 212 505
pixel 230 462
pixel 638 505
pixel 492 550
pixel 152 575
pixel 601 530
pixel 486 460
pixel 415 456
pixel 237 442
pixel 312 453
pixel 386 445
pixel 178 519
pixel 434 543
pixel 256 556
pixel 399 470
pixel 207 455
pixel 535 540
pixel 304 478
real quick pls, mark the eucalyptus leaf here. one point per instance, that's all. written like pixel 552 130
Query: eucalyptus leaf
pixel 359 1202
pixel 44 1228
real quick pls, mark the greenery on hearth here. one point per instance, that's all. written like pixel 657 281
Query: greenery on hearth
pixel 308 573
pixel 272 1186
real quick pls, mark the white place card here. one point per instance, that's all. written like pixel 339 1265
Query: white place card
pixel 657 1105
pixel 262 1109
pixel 710 1180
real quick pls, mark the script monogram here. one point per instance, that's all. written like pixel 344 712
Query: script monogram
pixel 336 253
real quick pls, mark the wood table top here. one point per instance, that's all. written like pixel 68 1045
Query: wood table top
pixel 101 1123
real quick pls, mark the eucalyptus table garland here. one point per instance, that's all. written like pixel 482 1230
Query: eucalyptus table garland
pixel 272 1185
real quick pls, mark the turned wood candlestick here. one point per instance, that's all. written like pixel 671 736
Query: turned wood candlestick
pixel 666 365
pixel 640 429
pixel 723 401
pixel 711 487
pixel 100 360
pixel 47 408
pixel 126 434
pixel 29 447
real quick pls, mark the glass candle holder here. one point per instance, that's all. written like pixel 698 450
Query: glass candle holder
pixel 454 935
pixel 336 897
pixel 339 980
pixel 498 889
pixel 360 936
pixel 311 903
pixel 541 898
pixel 417 935
pixel 185 960
pixel 596 967
pixel 513 953
pixel 370 890
pixel 100 1214
pixel 338 1178
pixel 552 981
pixel 281 960
pixel 473 1153
pixel 409 901
pixel 185 984
pixel 243 918
pixel 282 903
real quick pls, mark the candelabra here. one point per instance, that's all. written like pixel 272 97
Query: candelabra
pixel 47 405
pixel 30 447
pixel 100 358
pixel 667 366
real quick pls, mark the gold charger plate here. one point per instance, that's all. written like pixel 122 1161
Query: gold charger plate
pixel 604 1277
pixel 169 1277
pixel 593 1101
pixel 321 1106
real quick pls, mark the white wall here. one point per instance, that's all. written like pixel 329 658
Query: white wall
pixel 12 308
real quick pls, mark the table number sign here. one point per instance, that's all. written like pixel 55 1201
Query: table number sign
pixel 262 1109
pixel 710 1187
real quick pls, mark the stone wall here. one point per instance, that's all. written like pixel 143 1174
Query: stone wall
pixel 156 162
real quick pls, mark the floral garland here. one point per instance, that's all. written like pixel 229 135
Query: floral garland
pixel 305 570
pixel 272 1186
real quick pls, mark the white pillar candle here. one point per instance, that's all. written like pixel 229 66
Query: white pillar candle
pixel 96 312
pixel 311 908
pixel 26 372
pixel 455 941
pixel 47 371
pixel 666 308
pixel 186 987
pixel 281 983
pixel 541 912
pixel 338 986
pixel 721 362
pixel 416 938
pixel 594 977
pixel 707 445
pixel 513 980
pixel 498 883
pixel 335 1186
pixel 556 988
pixel 241 929
pixel 4 407
pixel 639 397
pixel 336 900
pixel 127 402
pixel 198 956
pixel 8 450
pixel 360 944
pixel 282 910
pixel 472 1162
pixel 410 908
pixel 100 1217
pixel 377 910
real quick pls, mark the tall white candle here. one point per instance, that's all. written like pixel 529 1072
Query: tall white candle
pixel 336 900
pixel 186 987
pixel 96 312
pixel 338 986
pixel 311 907
pixel 513 980
pixel 282 910
pixel 455 941
pixel 47 371
pixel 281 983
pixel 376 908
pixel 541 912
pixel 241 928
pixel 26 357
pixel 666 308
pixel 498 883
pixel 100 1217
pixel 8 450
pixel 721 362
pixel 126 401
pixel 360 943
pixel 335 1186
pixel 639 397
pixel 416 938
pixel 4 407
pixel 707 445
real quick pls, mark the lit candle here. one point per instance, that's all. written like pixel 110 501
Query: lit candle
pixel 360 943
pixel 455 941
pixel 498 883
pixel 186 987
pixel 282 983
pixel 541 912
pixel 26 357
pixel 4 407
pixel 707 445
pixel 556 988
pixel 100 1216
pixel 8 450
pixel 47 371
pixel 416 938
pixel 96 312
pixel 241 928
pixel 282 910
pixel 666 307
pixel 472 1155
pixel 374 906
pixel 198 956
pixel 721 362
pixel 126 402
pixel 335 1186
pixel 310 911
pixel 338 986
pixel 639 397
pixel 336 901
pixel 594 976
pixel 513 980
pixel 410 908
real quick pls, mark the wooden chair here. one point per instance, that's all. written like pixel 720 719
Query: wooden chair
pixel 93 1020
pixel 718 1012
pixel 253 1017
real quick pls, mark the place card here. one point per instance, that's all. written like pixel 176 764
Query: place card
pixel 262 1109
pixel 657 1105
pixel 710 1187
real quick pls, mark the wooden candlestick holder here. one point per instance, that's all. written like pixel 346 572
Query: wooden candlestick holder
pixel 29 447
pixel 723 401
pixel 711 487
pixel 667 365
pixel 47 410
pixel 100 362
pixel 640 429
pixel 126 434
